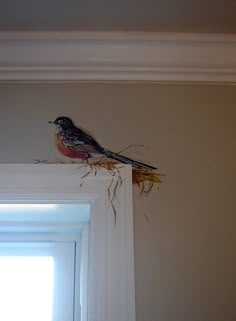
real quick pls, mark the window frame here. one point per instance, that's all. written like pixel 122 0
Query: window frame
pixel 111 292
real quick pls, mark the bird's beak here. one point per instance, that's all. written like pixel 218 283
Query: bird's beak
pixel 51 122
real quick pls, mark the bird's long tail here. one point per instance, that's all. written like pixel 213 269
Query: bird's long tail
pixel 126 160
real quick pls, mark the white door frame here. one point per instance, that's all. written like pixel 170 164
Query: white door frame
pixel 111 295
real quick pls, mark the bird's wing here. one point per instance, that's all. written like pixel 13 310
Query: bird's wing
pixel 78 140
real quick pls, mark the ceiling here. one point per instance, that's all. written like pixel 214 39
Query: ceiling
pixel 218 16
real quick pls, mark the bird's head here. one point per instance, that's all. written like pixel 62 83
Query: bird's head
pixel 62 122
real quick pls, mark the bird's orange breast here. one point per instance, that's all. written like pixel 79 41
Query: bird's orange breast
pixel 66 151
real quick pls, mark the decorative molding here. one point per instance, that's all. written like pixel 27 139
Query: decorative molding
pixel 96 56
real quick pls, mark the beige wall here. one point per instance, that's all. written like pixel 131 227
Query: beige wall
pixel 185 257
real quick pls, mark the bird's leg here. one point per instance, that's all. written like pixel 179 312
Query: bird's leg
pixel 85 160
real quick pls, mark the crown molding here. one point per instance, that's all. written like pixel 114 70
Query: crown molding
pixel 111 56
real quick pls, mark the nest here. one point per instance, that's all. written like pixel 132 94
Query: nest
pixel 144 179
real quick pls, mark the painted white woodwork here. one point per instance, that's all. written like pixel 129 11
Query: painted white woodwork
pixel 110 259
pixel 111 56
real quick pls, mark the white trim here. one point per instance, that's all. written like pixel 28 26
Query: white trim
pixel 99 56
pixel 111 260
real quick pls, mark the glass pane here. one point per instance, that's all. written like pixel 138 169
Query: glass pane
pixel 26 288
pixel 72 212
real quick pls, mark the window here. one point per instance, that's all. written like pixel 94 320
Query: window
pixel 47 215
pixel 26 284
pixel 43 261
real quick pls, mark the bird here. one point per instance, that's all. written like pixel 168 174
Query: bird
pixel 73 142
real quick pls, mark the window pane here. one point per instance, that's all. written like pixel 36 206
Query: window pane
pixel 26 288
